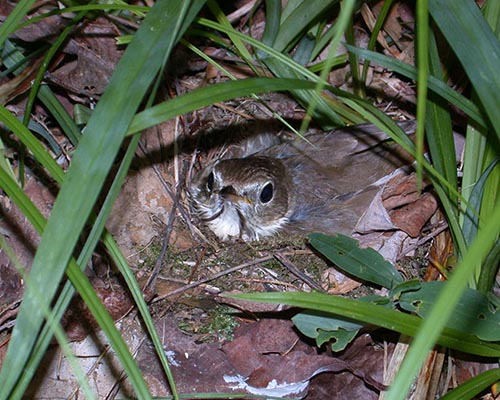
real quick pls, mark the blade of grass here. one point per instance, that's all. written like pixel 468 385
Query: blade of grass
pixel 434 324
pixel 80 281
pixel 208 95
pixel 435 85
pixel 273 15
pixel 48 98
pixel 422 83
pixel 30 141
pixel 45 64
pixel 16 15
pixel 373 37
pixel 477 48
pixel 92 160
pixel 139 10
pixel 343 21
pixel 59 333
pixel 474 386
pixel 298 21
pixel 439 130
pixel 377 315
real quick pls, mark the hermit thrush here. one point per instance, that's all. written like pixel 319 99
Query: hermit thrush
pixel 321 184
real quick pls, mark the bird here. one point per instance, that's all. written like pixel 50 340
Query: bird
pixel 322 182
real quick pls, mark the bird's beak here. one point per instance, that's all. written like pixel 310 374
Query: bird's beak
pixel 230 194
pixel 237 198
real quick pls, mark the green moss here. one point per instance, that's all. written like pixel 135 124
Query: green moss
pixel 221 323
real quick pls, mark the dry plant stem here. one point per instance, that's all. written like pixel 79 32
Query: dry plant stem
pixel 233 110
pixel 395 362
pixel 218 275
pixel 172 195
pixel 199 259
pixel 114 390
pixel 424 387
pixel 166 240
pixel 295 271
pixel 441 228
pixel 267 282
pixel 236 15
pixel 9 312
pixel 122 21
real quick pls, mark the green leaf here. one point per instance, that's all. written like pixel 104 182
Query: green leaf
pixel 88 171
pixel 340 337
pixel 376 315
pixel 365 264
pixel 435 85
pixel 205 96
pixel 474 386
pixel 16 15
pixel 324 327
pixel 477 48
pixel 298 21
pixel 473 315
pixel 471 217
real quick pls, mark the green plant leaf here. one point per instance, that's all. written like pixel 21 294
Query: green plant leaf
pixel 477 48
pixel 473 315
pixel 91 163
pixel 365 264
pixel 205 96
pixel 471 217
pixel 16 15
pixel 298 21
pixel 376 315
pixel 435 85
pixel 323 327
pixel 474 386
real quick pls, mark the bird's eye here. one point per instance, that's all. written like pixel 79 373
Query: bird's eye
pixel 266 194
pixel 210 181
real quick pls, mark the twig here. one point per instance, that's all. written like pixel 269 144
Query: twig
pixel 166 240
pixel 295 271
pixel 425 239
pixel 218 275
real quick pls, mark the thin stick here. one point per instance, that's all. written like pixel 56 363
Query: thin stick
pixel 218 275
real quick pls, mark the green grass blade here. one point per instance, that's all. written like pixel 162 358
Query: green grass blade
pixel 386 7
pixel 205 96
pixel 10 24
pixel 30 141
pixel 477 48
pixel 80 281
pixel 298 21
pixel 343 21
pixel 435 85
pixel 439 130
pixel 474 386
pixel 273 15
pixel 238 44
pixel 61 38
pixel 47 97
pixel 471 219
pixel 62 117
pixel 59 333
pixel 422 82
pixel 91 163
pixel 434 324
pixel 35 217
pixel 369 313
